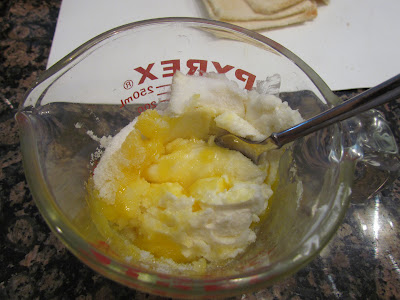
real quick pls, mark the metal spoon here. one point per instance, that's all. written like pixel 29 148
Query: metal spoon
pixel 382 93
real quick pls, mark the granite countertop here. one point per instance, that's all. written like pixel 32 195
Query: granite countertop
pixel 361 261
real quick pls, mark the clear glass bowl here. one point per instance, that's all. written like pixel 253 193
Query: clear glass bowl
pixel 104 84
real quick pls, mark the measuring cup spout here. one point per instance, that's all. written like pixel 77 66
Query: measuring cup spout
pixel 23 118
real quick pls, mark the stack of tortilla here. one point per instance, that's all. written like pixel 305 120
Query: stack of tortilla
pixel 262 14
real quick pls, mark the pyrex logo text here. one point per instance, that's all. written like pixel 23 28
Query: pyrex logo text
pixel 169 67
pixel 147 89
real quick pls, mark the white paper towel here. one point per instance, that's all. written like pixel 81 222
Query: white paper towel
pixel 351 44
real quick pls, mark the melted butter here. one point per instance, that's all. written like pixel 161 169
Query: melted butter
pixel 163 158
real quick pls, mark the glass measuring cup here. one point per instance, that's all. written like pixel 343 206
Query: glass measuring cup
pixel 106 83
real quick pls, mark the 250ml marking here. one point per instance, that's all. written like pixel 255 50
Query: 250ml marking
pixel 137 94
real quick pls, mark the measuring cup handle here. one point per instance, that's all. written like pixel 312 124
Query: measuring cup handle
pixel 370 142
pixel 373 97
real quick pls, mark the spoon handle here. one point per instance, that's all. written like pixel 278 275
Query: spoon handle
pixel 380 94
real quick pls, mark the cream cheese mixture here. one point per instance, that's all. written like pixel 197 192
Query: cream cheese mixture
pixel 164 191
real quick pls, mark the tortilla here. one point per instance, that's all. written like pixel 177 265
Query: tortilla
pixel 270 6
pixel 268 24
pixel 239 10
pixel 230 11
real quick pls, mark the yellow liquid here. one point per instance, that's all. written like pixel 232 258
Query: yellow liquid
pixel 162 159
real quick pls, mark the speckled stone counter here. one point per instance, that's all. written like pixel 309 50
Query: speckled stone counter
pixel 361 261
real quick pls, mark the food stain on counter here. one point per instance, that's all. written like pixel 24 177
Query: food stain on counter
pixel 165 194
